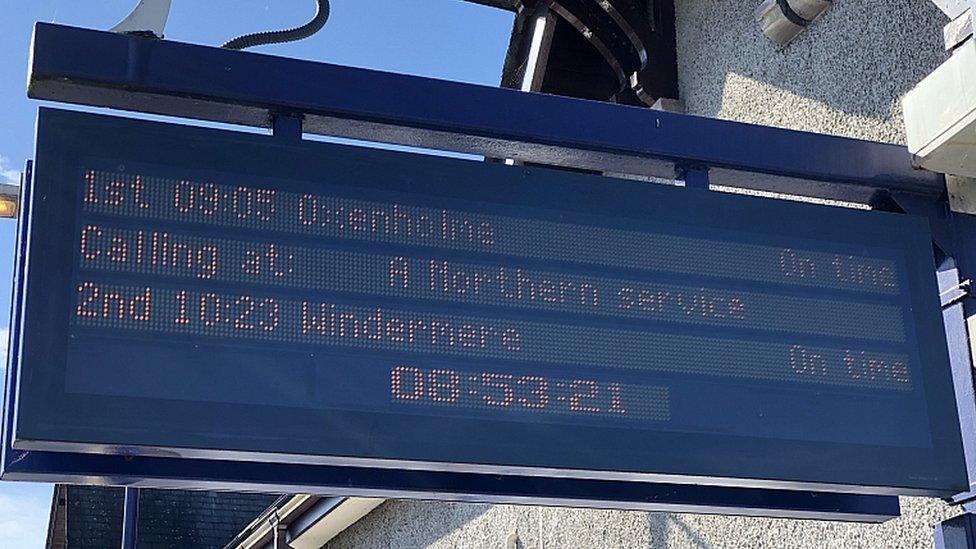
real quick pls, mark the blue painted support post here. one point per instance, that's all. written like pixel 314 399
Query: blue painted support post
pixel 958 283
pixel 130 518
pixel 958 305
pixel 954 236
pixel 956 533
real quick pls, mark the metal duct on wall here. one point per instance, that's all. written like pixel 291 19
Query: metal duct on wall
pixel 783 20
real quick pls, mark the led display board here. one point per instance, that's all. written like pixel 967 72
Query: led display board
pixel 203 293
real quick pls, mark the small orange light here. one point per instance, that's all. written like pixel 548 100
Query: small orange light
pixel 8 208
pixel 9 201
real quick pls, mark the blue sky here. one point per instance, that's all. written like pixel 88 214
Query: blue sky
pixel 447 39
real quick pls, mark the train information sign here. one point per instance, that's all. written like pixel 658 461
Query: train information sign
pixel 203 293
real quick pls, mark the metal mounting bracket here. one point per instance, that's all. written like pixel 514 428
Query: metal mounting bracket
pixel 962 194
pixel 956 293
pixel 287 125
pixel 147 18
pixel 958 30
pixel 952 8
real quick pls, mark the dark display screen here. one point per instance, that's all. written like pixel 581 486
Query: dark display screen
pixel 221 294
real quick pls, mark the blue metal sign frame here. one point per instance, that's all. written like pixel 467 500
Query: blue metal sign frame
pixel 149 76
pixel 885 453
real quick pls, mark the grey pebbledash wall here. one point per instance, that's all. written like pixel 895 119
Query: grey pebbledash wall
pixel 845 75
pixel 406 525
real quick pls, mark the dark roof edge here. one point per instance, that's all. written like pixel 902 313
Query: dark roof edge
pixel 509 5
pixel 57 538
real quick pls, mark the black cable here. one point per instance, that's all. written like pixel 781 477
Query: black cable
pixel 282 36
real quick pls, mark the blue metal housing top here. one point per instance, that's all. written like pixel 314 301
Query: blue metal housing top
pixel 104 69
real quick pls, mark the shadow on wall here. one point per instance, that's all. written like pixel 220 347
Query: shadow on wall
pixel 661 527
pixel 845 75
